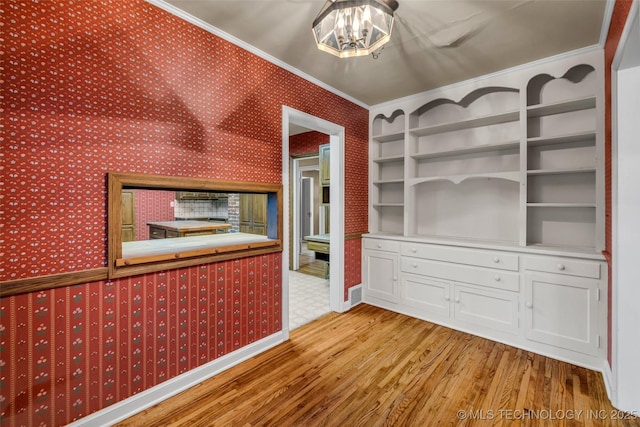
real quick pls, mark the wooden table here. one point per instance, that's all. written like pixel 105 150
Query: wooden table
pixel 320 244
pixel 170 229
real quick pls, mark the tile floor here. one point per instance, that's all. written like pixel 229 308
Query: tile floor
pixel 308 298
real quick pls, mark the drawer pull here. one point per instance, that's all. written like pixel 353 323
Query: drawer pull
pixel 447 298
pixel 497 278
pixel 560 267
pixel 414 265
pixel 414 250
pixel 379 245
pixel 395 279
pixel 529 305
pixel 457 300
pixel 496 259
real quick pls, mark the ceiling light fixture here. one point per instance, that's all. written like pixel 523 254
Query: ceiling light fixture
pixel 347 28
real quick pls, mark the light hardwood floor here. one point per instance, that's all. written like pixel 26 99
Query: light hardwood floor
pixel 372 367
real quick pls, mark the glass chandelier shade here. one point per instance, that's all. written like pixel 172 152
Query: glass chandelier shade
pixel 347 28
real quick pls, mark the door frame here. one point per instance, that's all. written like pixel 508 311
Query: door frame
pixel 336 226
pixel 625 348
pixel 296 174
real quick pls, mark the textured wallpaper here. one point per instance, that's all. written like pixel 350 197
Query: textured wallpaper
pixel 94 86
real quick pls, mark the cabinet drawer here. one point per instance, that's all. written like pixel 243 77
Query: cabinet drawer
pixel 460 273
pixel 563 266
pixel 318 247
pixel 381 245
pixel 480 258
pixel 156 233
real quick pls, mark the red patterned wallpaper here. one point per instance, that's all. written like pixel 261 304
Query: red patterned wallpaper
pixel 152 205
pixel 94 86
pixel 78 349
pixel 306 143
pixel 106 85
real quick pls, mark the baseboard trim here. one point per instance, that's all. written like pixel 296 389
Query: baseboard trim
pixel 609 385
pixel 141 401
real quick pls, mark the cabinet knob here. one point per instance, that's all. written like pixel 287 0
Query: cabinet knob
pixel 379 245
pixel 395 279
pixel 414 265
pixel 496 259
pixel 497 278
pixel 560 267
pixel 529 305
pixel 447 298
pixel 457 300
pixel 414 250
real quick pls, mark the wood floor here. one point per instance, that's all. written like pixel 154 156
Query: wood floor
pixel 310 265
pixel 372 367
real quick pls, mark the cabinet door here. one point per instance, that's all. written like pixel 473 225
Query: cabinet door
pixel 253 214
pixel 426 293
pixel 562 311
pixel 128 216
pixel 492 309
pixel 324 156
pixel 381 275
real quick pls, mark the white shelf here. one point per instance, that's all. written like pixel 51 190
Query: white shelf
pixel 457 179
pixel 561 107
pixel 388 137
pixel 389 159
pixel 388 181
pixel 560 171
pixel 561 205
pixel 506 145
pixel 561 139
pixel 385 205
pixel 492 119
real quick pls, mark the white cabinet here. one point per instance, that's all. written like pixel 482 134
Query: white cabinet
pixel 562 308
pixel 491 309
pixel 438 281
pixel 380 269
pixel 486 207
pixel 552 304
pixel 427 294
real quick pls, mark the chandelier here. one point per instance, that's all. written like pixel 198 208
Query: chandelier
pixel 347 28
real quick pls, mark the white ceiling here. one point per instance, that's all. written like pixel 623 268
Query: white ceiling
pixel 434 42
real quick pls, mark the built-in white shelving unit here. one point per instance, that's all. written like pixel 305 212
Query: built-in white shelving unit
pixel 487 208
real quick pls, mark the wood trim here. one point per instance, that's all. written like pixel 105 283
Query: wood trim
pixel 194 253
pixel 353 236
pixel 119 267
pixel 42 283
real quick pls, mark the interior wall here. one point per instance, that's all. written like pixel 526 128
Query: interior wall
pixel 106 85
pixel 627 277
pixel 618 20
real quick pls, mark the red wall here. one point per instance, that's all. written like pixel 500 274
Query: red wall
pixel 95 86
pixel 618 19
pixel 152 205
pixel 307 143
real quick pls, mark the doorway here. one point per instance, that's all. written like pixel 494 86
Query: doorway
pixel 336 210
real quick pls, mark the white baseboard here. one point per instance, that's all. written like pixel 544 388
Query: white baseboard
pixel 607 377
pixel 141 401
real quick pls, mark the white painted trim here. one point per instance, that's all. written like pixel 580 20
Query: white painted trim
pixel 336 268
pixel 620 381
pixel 141 401
pixel 606 22
pixel 421 95
pixel 607 377
pixel 252 49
